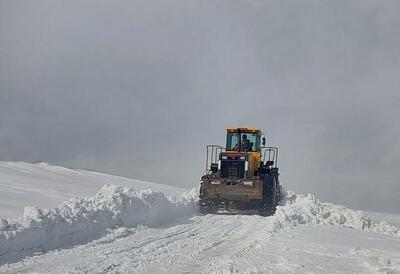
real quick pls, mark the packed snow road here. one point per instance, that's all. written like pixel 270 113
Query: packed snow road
pixel 223 244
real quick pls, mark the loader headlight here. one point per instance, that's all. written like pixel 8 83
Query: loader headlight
pixel 242 157
pixel 215 182
pixel 224 157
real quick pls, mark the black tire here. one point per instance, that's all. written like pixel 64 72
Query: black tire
pixel 207 207
pixel 267 206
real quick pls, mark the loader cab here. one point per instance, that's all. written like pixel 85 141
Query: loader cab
pixel 243 139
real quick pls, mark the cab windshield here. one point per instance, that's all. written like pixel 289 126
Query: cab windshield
pixel 249 141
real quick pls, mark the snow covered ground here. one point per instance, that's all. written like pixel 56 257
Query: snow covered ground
pixel 127 230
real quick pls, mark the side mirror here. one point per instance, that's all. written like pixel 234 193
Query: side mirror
pixel 263 141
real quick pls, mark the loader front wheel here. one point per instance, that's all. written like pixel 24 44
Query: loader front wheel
pixel 267 206
pixel 207 207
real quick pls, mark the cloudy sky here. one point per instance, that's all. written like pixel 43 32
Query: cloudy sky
pixel 138 88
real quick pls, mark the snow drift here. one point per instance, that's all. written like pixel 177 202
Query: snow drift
pixel 308 210
pixel 46 186
pixel 80 220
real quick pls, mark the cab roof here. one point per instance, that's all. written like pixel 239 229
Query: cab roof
pixel 244 129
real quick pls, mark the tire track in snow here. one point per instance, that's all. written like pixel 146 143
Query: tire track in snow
pixel 199 242
pixel 207 244
pixel 182 244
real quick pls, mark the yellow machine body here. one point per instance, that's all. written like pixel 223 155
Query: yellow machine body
pixel 239 172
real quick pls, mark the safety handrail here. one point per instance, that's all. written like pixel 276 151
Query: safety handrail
pixel 212 156
pixel 272 153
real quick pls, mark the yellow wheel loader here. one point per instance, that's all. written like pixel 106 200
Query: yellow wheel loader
pixel 243 175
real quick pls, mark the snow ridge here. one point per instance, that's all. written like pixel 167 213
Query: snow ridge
pixel 308 210
pixel 80 220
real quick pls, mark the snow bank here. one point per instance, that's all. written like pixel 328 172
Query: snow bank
pixel 46 186
pixel 308 210
pixel 80 220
